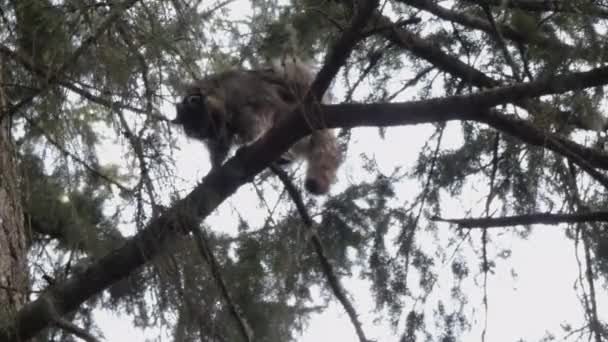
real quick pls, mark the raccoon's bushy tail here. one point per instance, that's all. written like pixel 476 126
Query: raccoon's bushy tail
pixel 323 159
pixel 320 149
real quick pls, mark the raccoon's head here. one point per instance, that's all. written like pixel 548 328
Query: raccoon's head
pixel 201 115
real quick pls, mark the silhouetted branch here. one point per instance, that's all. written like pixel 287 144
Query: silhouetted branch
pixel 475 22
pixel 548 6
pixel 74 329
pixel 207 254
pixel 537 218
pixel 424 49
pixel 326 267
pixel 294 193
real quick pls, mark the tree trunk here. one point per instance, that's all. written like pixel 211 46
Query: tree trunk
pixel 13 263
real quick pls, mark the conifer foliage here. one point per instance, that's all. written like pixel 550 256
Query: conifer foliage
pixel 464 126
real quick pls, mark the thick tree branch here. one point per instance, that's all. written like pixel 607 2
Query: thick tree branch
pixel 458 107
pixel 472 21
pixel 222 182
pixel 548 6
pixel 537 218
pixel 433 54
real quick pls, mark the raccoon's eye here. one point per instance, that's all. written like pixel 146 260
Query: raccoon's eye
pixel 193 99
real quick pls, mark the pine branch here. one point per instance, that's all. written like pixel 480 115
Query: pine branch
pixel 536 218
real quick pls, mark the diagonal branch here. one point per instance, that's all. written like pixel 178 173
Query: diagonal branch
pixel 536 218
pixel 433 54
pixel 223 181
pixel 202 243
pixel 475 22
pixel 565 6
pixel 75 330
pixel 326 267
pixel 77 159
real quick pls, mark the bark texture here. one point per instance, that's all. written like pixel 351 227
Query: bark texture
pixel 13 264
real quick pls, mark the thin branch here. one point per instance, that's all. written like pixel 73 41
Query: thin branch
pixel 484 234
pixel 452 65
pixel 536 218
pixel 500 40
pixel 326 267
pixel 595 324
pixel 207 254
pixel 565 6
pixel 74 329
pixel 334 61
pixel 138 149
pixel 590 301
pixel 475 22
pixel 76 158
pixel 42 73
pixel 424 49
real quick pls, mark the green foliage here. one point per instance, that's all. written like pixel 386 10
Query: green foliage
pixel 97 158
pixel 73 217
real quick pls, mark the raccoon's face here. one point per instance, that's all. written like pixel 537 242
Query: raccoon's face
pixel 195 116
